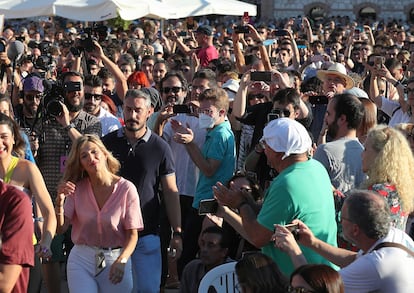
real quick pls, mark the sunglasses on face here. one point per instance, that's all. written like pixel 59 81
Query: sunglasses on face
pixel 174 89
pixel 284 112
pixel 97 97
pixel 255 96
pixel 32 97
pixel 292 289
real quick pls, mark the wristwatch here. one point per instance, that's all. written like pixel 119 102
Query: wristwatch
pixel 70 126
pixel 177 233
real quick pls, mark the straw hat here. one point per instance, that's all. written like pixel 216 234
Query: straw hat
pixel 339 70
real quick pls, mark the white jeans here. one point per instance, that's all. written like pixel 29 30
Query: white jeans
pixel 81 272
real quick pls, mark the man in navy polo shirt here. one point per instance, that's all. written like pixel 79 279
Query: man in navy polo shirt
pixel 146 160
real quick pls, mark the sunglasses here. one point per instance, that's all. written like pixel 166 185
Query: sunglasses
pixel 255 96
pixel 97 97
pixel 174 89
pixel 284 112
pixel 292 289
pixel 32 97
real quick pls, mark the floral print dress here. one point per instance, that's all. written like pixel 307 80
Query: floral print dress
pixel 389 191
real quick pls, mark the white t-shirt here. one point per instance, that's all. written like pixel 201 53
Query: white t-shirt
pixel 186 171
pixel 387 270
pixel 393 109
pixel 108 121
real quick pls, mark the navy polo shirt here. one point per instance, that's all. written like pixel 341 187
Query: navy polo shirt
pixel 144 164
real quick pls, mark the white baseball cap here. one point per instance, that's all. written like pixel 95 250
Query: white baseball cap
pixel 285 135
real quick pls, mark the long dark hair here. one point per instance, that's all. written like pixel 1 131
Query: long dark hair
pixel 260 274
pixel 322 278
pixel 19 144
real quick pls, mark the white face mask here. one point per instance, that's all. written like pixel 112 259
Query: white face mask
pixel 205 121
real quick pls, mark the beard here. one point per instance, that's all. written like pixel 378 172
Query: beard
pixel 30 110
pixel 133 125
pixel 90 108
pixel 74 108
pixel 333 129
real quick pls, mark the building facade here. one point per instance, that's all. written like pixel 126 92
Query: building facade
pixel 355 9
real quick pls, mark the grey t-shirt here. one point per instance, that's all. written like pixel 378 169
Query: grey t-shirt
pixel 342 160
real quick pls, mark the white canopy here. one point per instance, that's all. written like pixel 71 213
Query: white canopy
pixel 205 7
pixel 85 10
pixel 98 10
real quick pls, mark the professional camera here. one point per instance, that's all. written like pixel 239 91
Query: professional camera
pixel 97 33
pixel 43 62
pixel 86 40
pixel 54 96
pixel 44 47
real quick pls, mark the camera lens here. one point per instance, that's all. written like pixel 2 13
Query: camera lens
pixel 54 108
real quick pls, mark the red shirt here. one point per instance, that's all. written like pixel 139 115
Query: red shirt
pixel 206 55
pixel 16 226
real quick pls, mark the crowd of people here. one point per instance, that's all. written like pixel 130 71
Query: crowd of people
pixel 155 153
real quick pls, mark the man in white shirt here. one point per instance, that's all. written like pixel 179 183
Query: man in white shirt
pixel 93 98
pixel 382 264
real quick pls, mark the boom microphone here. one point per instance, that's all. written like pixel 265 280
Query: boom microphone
pixel 15 50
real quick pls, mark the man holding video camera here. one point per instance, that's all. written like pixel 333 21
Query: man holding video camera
pixel 65 121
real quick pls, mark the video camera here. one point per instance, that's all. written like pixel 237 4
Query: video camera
pixel 89 34
pixel 54 95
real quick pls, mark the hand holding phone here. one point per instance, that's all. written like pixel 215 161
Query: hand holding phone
pixel 242 29
pixel 294 229
pixel 207 206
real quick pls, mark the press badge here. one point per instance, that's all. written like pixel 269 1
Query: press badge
pixel 99 262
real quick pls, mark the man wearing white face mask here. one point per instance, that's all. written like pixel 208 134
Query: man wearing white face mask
pixel 215 160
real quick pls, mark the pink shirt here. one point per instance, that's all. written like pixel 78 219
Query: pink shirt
pixel 105 227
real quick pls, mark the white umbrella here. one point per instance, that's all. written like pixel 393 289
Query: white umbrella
pixel 98 10
pixel 86 10
pixel 204 7
pixel 26 8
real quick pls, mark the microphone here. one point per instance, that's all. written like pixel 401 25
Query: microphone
pixel 15 50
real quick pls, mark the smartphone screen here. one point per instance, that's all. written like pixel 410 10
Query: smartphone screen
pixel 181 109
pixel 318 100
pixel 261 76
pixel 208 206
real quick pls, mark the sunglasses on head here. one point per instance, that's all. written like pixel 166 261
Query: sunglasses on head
pixel 174 89
pixel 97 97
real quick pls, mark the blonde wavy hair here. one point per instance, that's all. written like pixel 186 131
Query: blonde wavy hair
pixel 393 164
pixel 73 169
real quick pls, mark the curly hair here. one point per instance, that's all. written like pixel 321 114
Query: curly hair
pixel 393 164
